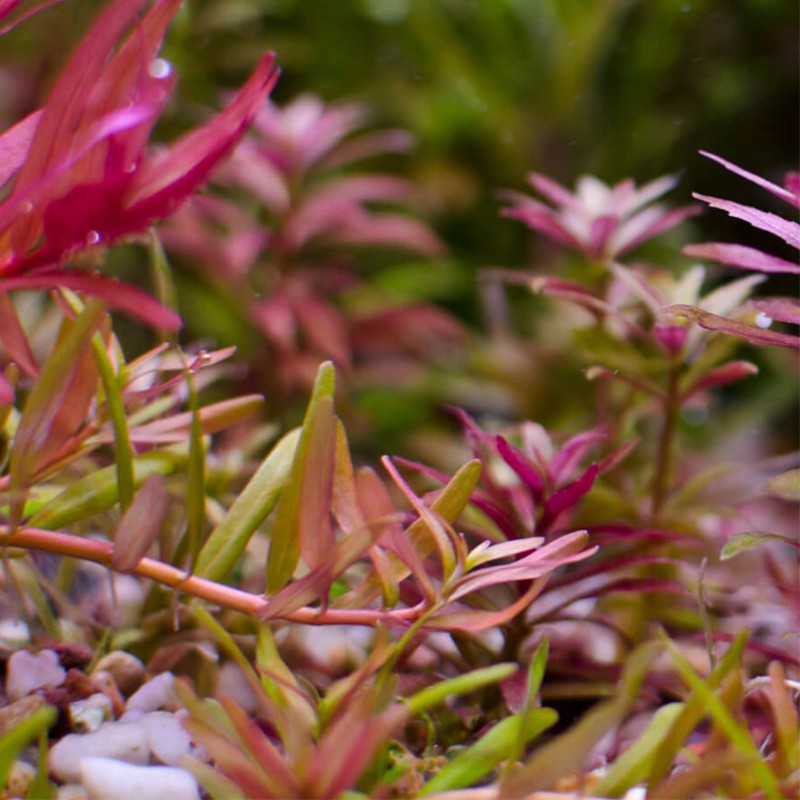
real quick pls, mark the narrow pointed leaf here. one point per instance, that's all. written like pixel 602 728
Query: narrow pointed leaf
pixel 229 539
pixel 123 452
pixel 785 486
pixel 477 761
pixel 97 492
pixel 751 333
pixel 462 684
pixel 634 764
pixel 737 732
pixel 741 542
pixel 315 527
pixel 195 478
pixel 38 432
pixel 566 754
pixel 284 551
pixel 140 524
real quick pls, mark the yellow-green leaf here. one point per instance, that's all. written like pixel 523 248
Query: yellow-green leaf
pixel 284 551
pixel 229 539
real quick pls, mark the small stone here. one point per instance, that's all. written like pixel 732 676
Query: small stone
pixel 232 682
pixel 14 632
pixel 20 779
pixel 27 672
pixel 73 654
pixel 107 779
pixel 89 714
pixel 157 693
pixel 18 711
pixel 168 740
pixel 126 670
pixel 117 740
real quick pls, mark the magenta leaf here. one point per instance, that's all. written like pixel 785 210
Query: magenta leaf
pixel 741 256
pixel 783 309
pixel 569 496
pixel 15 143
pixel 720 376
pixel 785 194
pixel 713 322
pixel 118 295
pixel 522 465
pixel 764 220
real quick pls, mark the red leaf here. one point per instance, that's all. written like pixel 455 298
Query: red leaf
pixel 569 496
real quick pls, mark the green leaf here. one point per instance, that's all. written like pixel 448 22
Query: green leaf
pixel 39 433
pixel 785 486
pixel 98 492
pixel 20 736
pixel 123 452
pixel 41 788
pixel 449 503
pixel 162 273
pixel 566 754
pixel 196 478
pixel 229 539
pixel 738 734
pixel 534 683
pixel 634 764
pixel 284 550
pixel 693 711
pixel 462 684
pixel 742 542
pixel 481 758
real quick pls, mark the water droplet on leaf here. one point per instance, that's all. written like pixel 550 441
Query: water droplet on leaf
pixel 763 320
pixel 159 68
pixel 93 237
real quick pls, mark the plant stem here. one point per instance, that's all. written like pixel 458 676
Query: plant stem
pixel 661 479
pixel 254 605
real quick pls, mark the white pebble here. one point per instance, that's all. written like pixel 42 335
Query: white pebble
pixel 89 714
pixel 153 695
pixel 169 741
pixel 107 779
pixel 14 632
pixel 123 741
pixel 27 672
pixel 126 670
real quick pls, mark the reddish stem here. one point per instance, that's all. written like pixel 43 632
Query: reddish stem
pixel 227 596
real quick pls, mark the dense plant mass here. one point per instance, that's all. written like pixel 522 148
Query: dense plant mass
pixel 207 594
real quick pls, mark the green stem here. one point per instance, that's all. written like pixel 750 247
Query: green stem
pixel 123 452
pixel 661 480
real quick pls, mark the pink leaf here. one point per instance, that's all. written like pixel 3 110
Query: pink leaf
pixel 7 6
pixel 140 524
pixel 564 550
pixel 569 496
pixel 741 256
pixel 14 144
pixel 671 337
pixel 119 295
pixel 764 220
pixel 720 376
pixel 13 337
pixel 713 322
pixel 569 455
pixel 783 309
pixel 778 191
pixel 523 467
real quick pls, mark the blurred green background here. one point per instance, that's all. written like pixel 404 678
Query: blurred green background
pixel 493 89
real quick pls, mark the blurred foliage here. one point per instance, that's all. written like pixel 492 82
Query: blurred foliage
pixel 491 89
